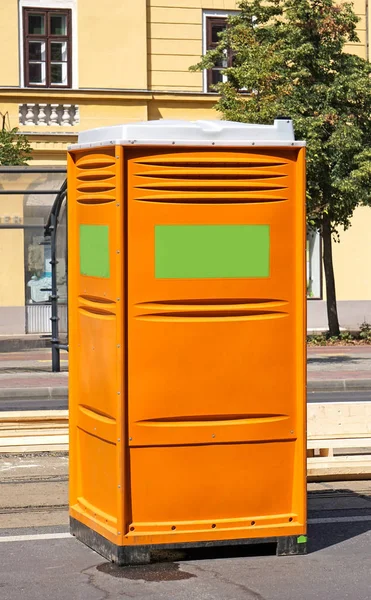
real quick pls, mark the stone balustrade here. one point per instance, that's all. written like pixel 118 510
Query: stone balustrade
pixel 53 115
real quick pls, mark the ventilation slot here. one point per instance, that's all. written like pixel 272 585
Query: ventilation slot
pixel 210 180
pixel 220 315
pixel 194 186
pixel 89 311
pixel 93 162
pixel 212 174
pixel 213 304
pixel 96 414
pixel 95 175
pixel 199 163
pixel 96 179
pixel 214 420
pixel 220 197
pixel 95 187
pixel 95 199
pixel 96 299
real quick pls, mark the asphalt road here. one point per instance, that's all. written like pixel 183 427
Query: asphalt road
pixel 39 560
pixel 339 397
pixel 7 404
pixel 63 568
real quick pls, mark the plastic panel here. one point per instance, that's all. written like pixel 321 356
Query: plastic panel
pixel 167 131
pixel 187 410
pixel 216 360
pixel 218 491
pixel 96 314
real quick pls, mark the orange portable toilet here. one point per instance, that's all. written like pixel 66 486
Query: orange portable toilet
pixel 187 303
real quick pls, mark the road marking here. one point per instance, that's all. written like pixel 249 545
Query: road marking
pixel 9 467
pixel 63 360
pixel 339 520
pixel 59 536
pixel 35 537
pixel 315 355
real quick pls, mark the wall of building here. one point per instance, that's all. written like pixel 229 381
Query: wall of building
pixel 352 258
pixel 121 49
pixel 9 48
pixel 12 268
pixel 351 313
pixel 112 44
pixel 175 41
pixel 363 12
pixel 11 253
pixel 12 286
pixel 146 44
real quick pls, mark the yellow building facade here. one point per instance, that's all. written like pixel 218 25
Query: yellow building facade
pixel 71 65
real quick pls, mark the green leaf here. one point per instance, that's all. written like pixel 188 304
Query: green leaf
pixel 15 148
pixel 289 58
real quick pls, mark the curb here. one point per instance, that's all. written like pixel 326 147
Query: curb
pixel 34 392
pixel 18 344
pixel 327 385
pixel 339 385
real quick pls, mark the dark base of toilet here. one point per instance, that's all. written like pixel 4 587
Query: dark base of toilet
pixel 139 555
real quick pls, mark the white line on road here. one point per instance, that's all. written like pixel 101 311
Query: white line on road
pixel 35 537
pixel 49 360
pixel 338 520
pixel 9 467
pixel 57 536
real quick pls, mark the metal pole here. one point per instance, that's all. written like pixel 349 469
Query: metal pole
pixel 56 363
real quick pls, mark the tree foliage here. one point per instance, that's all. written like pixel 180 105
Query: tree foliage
pixel 290 58
pixel 15 148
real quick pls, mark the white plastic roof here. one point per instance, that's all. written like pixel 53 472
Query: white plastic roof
pixel 190 133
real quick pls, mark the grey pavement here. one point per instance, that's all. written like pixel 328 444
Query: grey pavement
pixel 27 375
pixel 340 396
pixel 339 368
pixel 33 502
pixel 21 343
pixel 57 398
pixel 338 567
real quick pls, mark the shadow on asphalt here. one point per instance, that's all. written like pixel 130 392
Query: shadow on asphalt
pixel 324 536
pixel 28 369
pixel 165 571
pixel 165 564
pixel 335 360
pixel 333 503
pixel 343 503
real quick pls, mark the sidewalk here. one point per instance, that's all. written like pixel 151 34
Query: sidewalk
pixel 38 555
pixel 29 373
pixel 23 343
pixel 339 368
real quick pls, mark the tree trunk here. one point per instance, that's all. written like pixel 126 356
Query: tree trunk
pixel 332 312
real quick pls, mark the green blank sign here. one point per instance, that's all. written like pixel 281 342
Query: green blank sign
pixel 94 251
pixel 211 251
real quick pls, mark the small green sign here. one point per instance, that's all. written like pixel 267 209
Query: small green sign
pixel 94 251
pixel 302 539
pixel 212 251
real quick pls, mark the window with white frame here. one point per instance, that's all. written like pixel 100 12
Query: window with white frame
pixel 213 24
pixel 48 43
pixel 47 47
pixel 314 271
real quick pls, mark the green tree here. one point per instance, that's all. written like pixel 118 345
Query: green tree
pixel 15 148
pixel 289 57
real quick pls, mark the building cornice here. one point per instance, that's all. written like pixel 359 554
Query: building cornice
pixel 35 95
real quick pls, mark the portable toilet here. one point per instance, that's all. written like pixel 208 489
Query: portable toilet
pixel 187 299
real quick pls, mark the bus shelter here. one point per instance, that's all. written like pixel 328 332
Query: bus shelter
pixel 27 196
